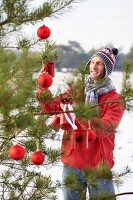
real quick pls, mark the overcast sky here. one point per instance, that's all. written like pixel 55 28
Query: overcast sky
pixel 94 23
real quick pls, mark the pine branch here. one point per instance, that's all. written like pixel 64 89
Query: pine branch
pixel 59 5
pixel 17 13
pixel 127 86
pixel 111 197
pixel 124 193
pixel 78 108
pixel 50 53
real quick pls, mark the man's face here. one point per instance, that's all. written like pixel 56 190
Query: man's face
pixel 97 69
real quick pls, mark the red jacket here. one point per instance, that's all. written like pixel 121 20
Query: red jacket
pixel 81 152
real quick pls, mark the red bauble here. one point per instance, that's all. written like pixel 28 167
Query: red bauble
pixel 49 68
pixel 17 152
pixel 37 157
pixel 43 32
pixel 44 80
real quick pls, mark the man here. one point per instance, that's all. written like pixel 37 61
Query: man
pixel 100 90
pixel 86 146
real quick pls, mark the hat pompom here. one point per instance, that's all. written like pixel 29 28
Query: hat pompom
pixel 115 51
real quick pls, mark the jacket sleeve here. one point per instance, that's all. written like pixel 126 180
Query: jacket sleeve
pixel 111 118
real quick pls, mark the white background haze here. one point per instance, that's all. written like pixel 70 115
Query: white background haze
pixel 92 23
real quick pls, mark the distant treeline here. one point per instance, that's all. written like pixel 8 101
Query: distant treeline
pixel 73 56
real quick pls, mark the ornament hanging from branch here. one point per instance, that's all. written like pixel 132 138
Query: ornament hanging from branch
pixel 43 32
pixel 17 152
pixel 49 68
pixel 44 80
pixel 37 157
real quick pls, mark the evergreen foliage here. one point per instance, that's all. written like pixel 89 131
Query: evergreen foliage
pixel 127 85
pixel 50 53
pixel 19 121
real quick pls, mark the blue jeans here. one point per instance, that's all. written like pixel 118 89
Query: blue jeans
pixel 78 190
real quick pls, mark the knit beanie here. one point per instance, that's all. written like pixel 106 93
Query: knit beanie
pixel 108 57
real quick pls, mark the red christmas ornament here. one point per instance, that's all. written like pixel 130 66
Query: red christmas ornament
pixel 44 80
pixel 17 152
pixel 43 32
pixel 49 68
pixel 37 157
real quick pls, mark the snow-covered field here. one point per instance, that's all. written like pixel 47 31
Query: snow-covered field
pixel 124 142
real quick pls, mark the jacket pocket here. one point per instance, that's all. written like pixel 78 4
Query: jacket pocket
pixel 82 138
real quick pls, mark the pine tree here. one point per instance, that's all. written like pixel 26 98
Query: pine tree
pixel 20 122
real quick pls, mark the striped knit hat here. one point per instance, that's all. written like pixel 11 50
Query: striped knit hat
pixel 108 56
